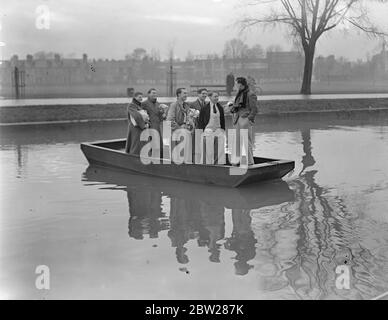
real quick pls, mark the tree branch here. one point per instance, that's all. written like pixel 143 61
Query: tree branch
pixel 371 30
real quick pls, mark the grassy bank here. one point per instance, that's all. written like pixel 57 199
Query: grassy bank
pixel 119 90
pixel 110 111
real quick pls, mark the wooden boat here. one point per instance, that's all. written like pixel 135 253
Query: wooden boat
pixel 111 154
pixel 251 196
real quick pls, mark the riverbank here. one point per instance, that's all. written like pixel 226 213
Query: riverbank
pixel 72 110
pixel 268 87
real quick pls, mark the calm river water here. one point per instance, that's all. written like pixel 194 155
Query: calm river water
pixel 107 234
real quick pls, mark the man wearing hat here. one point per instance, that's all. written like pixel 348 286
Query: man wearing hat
pixel 244 112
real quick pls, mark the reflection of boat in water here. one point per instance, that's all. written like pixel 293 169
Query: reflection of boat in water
pixel 246 197
pixel 110 154
pixel 194 212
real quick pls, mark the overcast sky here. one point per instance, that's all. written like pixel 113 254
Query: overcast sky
pixel 113 28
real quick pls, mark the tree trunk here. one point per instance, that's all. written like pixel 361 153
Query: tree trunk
pixel 308 69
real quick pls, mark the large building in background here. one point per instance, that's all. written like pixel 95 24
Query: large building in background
pixel 380 64
pixel 331 68
pixel 58 77
pixel 284 65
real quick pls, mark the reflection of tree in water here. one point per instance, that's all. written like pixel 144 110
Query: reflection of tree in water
pixel 293 250
pixel 321 235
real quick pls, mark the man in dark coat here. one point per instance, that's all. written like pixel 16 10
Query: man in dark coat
pixel 204 115
pixel 156 114
pixel 201 101
pixel 136 124
pixel 212 121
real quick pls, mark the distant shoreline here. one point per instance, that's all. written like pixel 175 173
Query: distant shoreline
pixel 266 88
pixel 34 111
pixel 167 100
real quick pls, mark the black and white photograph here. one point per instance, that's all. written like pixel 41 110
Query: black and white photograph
pixel 194 150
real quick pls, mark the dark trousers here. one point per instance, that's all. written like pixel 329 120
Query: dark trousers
pixel 133 145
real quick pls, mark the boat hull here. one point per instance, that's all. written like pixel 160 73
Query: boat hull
pixel 253 196
pixel 110 154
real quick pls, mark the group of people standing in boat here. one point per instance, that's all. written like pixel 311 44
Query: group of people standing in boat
pixel 208 116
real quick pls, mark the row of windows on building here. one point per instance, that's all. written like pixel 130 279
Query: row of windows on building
pixel 78 71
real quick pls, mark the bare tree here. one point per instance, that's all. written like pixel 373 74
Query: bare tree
pixel 189 56
pixel 139 53
pixel 236 50
pixel 155 54
pixel 309 19
pixel 255 52
pixel 171 74
pixel 274 48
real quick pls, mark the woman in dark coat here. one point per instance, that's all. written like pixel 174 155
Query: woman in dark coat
pixel 244 112
pixel 136 124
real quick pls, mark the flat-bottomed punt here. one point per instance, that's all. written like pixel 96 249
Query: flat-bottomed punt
pixel 111 154
pixel 252 196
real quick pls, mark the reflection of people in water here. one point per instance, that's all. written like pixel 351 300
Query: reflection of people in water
pixel 214 223
pixel 242 241
pixel 184 221
pixel 145 213
pixel 192 219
